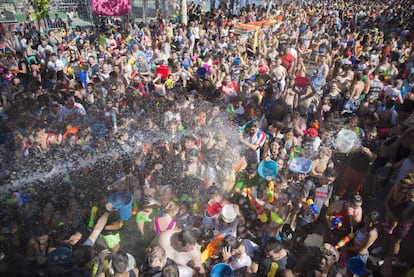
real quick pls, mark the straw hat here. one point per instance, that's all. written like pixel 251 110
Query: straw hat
pixel 228 214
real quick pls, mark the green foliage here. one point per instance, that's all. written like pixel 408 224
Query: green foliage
pixel 40 9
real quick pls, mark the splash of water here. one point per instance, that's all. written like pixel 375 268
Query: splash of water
pixel 67 164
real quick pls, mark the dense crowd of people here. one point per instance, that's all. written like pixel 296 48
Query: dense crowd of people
pixel 186 119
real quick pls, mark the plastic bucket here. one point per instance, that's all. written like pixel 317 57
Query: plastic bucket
pixel 221 270
pixel 60 256
pixel 122 201
pixel 163 70
pixel 267 168
pixel 356 265
pixel 201 72
pixel 300 165
pixel 346 140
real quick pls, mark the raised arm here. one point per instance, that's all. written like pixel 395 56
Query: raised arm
pixel 100 224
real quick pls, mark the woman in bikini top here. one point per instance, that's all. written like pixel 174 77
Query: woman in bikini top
pixel 166 221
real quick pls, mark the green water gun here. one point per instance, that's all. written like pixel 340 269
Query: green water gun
pixel 94 210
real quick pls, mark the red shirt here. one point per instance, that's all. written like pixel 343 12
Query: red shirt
pixel 287 61
pixel 229 88
pixel 263 69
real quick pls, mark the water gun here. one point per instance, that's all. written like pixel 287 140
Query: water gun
pixel 141 217
pixel 313 209
pixel 273 269
pixel 72 130
pixel 94 210
pixel 345 240
pixel 276 218
pixel 181 128
pixel 336 222
pixel 96 266
pixel 245 126
pixel 246 192
pixel 271 191
pixel 211 248
pixel 135 208
pixel 194 208
pixel 237 168
pixel 18 198
pixel 230 112
pixel 259 209
pixel 259 98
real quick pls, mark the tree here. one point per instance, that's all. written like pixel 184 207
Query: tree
pixel 40 9
pixel 184 15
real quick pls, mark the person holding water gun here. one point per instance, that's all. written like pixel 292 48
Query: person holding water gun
pixel 277 260
pixel 362 240
pixel 110 233
pixel 315 195
pixel 238 253
pixel 349 211
pixel 249 178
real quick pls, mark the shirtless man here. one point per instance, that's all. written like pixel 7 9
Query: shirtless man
pixel 342 80
pixel 181 247
pixel 282 212
pixel 280 73
pixel 290 95
pixel 357 87
pixel 320 164
pixel 306 99
pixel 323 67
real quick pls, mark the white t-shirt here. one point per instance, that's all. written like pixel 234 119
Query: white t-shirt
pixel 294 53
pixel 42 50
pixel 242 261
pixel 391 92
pixel 55 66
pixel 77 109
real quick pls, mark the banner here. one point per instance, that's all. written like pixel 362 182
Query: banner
pixel 111 7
